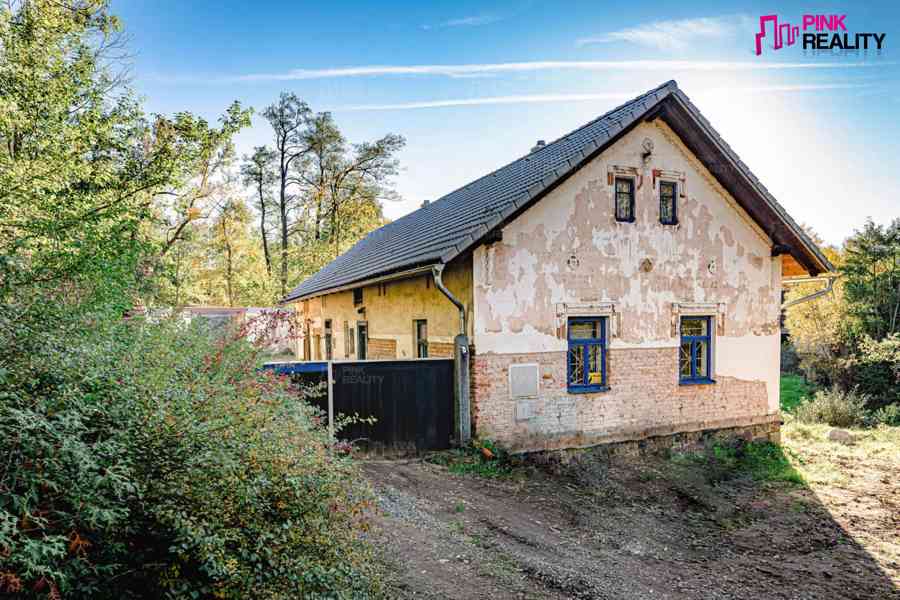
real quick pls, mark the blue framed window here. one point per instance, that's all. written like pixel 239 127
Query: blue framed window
pixel 586 369
pixel 695 352
pixel 625 199
pixel 668 206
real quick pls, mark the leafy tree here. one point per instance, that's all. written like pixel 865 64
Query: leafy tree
pixel 288 118
pixel 872 272
pixel 205 154
pixel 347 182
pixel 82 169
pixel 234 264
pixel 818 328
pixel 851 338
pixel 258 173
pixel 329 191
pixel 142 458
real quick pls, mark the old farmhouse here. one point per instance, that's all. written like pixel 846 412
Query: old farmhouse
pixel 621 282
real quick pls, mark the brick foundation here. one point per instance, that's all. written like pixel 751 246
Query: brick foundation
pixel 686 441
pixel 440 350
pixel 644 401
pixel 380 349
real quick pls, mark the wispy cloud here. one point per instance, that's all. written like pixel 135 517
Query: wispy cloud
pixel 556 98
pixel 520 99
pixel 470 70
pixel 783 89
pixel 472 21
pixel 672 35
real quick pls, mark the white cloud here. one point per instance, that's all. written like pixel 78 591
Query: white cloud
pixel 775 89
pixel 520 99
pixel 554 98
pixel 473 21
pixel 469 70
pixel 672 35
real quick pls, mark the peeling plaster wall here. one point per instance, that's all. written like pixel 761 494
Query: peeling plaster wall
pixel 568 248
pixel 390 310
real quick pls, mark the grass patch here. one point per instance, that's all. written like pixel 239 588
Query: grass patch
pixel 794 391
pixel 763 461
pixel 825 462
pixel 475 460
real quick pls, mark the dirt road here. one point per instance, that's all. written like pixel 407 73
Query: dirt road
pixel 614 528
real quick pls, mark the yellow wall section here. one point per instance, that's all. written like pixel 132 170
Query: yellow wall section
pixel 390 309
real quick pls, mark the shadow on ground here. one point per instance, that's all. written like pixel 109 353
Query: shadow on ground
pixel 603 526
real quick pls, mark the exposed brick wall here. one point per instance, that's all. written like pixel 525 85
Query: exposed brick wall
pixel 380 349
pixel 440 350
pixel 644 400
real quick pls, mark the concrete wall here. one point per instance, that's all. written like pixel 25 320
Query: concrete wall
pixel 390 309
pixel 567 254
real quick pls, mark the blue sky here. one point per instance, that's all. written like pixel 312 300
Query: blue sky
pixel 472 85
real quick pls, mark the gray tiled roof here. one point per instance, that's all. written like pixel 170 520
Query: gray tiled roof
pixel 447 227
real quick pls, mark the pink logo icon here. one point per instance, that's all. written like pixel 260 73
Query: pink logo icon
pixel 778 32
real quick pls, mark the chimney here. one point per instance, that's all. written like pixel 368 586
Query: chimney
pixel 540 144
pixel 425 203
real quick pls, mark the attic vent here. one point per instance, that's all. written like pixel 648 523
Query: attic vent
pixel 523 381
pixel 540 144
pixel 425 203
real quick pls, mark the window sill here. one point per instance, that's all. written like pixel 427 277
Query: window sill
pixel 706 381
pixel 588 389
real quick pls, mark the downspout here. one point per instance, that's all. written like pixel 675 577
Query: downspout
pixel 436 272
pixel 460 362
pixel 828 288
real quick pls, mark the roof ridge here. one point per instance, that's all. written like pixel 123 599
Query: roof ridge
pixel 671 84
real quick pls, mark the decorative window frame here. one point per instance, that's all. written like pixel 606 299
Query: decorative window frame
pixel 680 180
pixel 698 309
pixel 600 310
pixel 637 180
pixel 564 310
pixel 716 311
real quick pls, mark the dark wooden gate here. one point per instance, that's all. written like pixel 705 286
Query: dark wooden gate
pixel 411 400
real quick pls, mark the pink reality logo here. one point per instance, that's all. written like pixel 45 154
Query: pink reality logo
pixel 785 34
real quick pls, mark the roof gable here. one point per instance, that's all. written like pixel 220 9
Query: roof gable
pixel 452 225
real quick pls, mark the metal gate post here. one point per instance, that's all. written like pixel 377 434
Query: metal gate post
pixel 330 401
pixel 461 385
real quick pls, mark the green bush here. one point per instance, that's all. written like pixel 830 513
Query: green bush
pixel 155 460
pixel 887 415
pixel 483 457
pixel 834 407
pixel 875 370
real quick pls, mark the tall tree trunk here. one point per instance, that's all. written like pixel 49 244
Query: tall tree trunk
pixel 282 205
pixel 229 274
pixel 319 216
pixel 262 226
